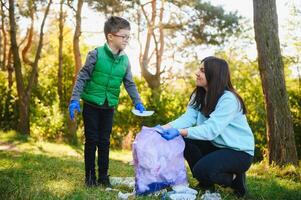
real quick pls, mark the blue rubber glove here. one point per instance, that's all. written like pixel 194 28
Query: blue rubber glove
pixel 74 105
pixel 158 128
pixel 170 133
pixel 140 107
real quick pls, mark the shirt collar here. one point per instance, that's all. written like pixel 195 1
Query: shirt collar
pixel 115 55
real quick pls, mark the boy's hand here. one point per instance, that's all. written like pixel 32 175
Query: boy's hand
pixel 140 107
pixel 170 133
pixel 74 105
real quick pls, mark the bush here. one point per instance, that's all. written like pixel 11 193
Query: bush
pixel 295 104
pixel 167 104
pixel 8 104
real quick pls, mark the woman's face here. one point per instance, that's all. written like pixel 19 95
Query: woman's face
pixel 201 80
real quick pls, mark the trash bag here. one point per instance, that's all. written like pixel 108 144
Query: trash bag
pixel 158 163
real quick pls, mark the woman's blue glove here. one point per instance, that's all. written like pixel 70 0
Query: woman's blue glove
pixel 170 133
pixel 74 105
pixel 140 107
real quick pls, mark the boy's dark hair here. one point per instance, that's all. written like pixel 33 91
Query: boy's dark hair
pixel 114 24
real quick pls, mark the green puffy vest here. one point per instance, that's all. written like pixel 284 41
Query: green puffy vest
pixel 106 78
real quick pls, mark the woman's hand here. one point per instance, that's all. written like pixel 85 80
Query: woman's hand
pixel 170 133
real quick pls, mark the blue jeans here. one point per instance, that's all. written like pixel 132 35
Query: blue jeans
pixel 98 124
pixel 212 165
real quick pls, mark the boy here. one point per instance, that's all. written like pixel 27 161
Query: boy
pixel 98 84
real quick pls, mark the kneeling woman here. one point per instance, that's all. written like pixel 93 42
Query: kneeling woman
pixel 219 142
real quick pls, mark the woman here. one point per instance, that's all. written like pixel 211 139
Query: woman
pixel 219 142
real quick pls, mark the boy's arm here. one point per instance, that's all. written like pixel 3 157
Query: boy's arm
pixel 84 75
pixel 130 86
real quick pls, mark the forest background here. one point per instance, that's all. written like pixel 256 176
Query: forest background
pixel 168 41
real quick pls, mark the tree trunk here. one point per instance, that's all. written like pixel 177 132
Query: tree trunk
pixel 10 70
pixel 60 67
pixel 153 80
pixel 1 46
pixel 3 59
pixel 280 133
pixel 78 64
pixel 23 123
pixel 77 33
pixel 29 39
pixel 2 64
pixel 34 75
pixel 24 95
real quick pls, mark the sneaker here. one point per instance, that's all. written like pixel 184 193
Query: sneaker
pixel 204 187
pixel 90 182
pixel 239 185
pixel 104 181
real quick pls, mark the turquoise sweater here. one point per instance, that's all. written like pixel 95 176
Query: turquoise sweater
pixel 227 126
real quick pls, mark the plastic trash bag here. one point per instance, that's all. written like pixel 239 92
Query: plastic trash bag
pixel 158 163
pixel 180 192
pixel 184 189
pixel 128 181
pixel 211 196
pixel 180 196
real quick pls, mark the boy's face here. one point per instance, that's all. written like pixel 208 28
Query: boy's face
pixel 120 39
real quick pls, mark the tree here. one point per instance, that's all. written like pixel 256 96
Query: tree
pixel 77 33
pixel 164 20
pixel 24 92
pixel 78 62
pixel 60 50
pixel 280 133
pixel 29 12
pixel 5 61
pixel 3 48
pixel 153 80
pixel 110 7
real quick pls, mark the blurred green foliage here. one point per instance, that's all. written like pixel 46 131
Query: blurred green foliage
pixel 8 104
pixel 48 119
pixel 167 104
pixel 48 116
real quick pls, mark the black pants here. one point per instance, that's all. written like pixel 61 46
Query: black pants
pixel 212 165
pixel 98 127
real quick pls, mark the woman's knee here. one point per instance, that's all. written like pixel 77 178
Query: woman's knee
pixel 201 171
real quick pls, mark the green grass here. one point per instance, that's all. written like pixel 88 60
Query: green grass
pixel 40 170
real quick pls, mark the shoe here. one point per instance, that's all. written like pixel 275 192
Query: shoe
pixel 239 185
pixel 104 181
pixel 90 181
pixel 205 187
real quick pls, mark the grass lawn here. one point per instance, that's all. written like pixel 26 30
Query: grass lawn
pixel 43 170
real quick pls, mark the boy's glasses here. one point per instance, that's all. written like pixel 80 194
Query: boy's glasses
pixel 124 37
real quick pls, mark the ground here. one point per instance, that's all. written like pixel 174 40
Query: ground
pixel 42 170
